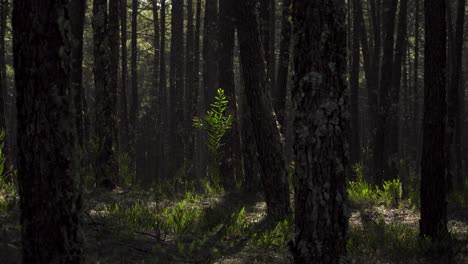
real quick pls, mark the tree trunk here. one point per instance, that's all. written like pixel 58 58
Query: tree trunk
pixel 418 102
pixel 134 106
pixel 48 183
pixel 198 88
pixel 190 94
pixel 283 64
pixel 272 48
pixel 453 102
pixel 114 57
pixel 320 125
pixel 267 134
pixel 230 167
pixel 77 27
pixel 354 87
pixel 392 140
pixel 433 221
pixel 163 121
pixel 210 52
pixel 176 92
pixel 124 126
pixel 381 169
pixel 105 107
pixel 7 148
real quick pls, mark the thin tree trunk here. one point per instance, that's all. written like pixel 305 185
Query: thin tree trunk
pixel 48 183
pixel 320 125
pixel 198 88
pixel 3 81
pixel 124 126
pixel 283 64
pixel 355 145
pixel 163 100
pixel 381 155
pixel 134 106
pixel 190 94
pixel 418 102
pixel 114 57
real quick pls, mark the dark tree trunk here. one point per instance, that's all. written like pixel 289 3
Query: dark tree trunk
pixel 134 106
pixel 355 145
pixel 454 121
pixel 210 51
pixel 190 93
pixel 320 125
pixel 4 126
pixel 176 92
pixel 381 155
pixel 264 24
pixel 162 101
pixel 271 56
pixel 392 140
pixel 230 167
pixel 417 120
pixel 283 64
pixel 124 126
pixel 77 27
pixel 114 57
pixel 48 183
pixel 198 88
pixel 267 134
pixel 433 221
pixel 105 167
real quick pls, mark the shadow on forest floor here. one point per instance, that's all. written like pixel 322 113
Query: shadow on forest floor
pixel 136 227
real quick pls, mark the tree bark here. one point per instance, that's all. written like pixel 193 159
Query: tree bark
pixel 267 134
pixel 134 106
pixel 198 88
pixel 210 52
pixel 190 93
pixel 433 221
pixel 48 183
pixel 124 126
pixel 114 57
pixel 176 92
pixel 163 100
pixel 355 145
pixel 105 167
pixel 321 126
pixel 381 155
pixel 283 64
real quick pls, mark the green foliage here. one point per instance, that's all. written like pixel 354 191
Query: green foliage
pixel 127 176
pixel 216 123
pixel 8 181
pixel 362 193
pixel 182 218
pixel 394 240
pixel 238 224
pixel 276 238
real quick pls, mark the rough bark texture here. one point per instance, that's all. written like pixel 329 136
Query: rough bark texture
pixel 283 64
pixel 320 125
pixel 123 125
pixel 48 183
pixel 77 27
pixel 380 165
pixel 230 166
pixel 433 221
pixel 105 167
pixel 267 134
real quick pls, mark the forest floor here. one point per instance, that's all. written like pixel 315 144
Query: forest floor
pixel 141 227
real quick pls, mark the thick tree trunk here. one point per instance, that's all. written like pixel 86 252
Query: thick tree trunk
pixel 105 167
pixel 48 183
pixel 283 65
pixel 433 221
pixel 381 169
pixel 267 134
pixel 320 125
